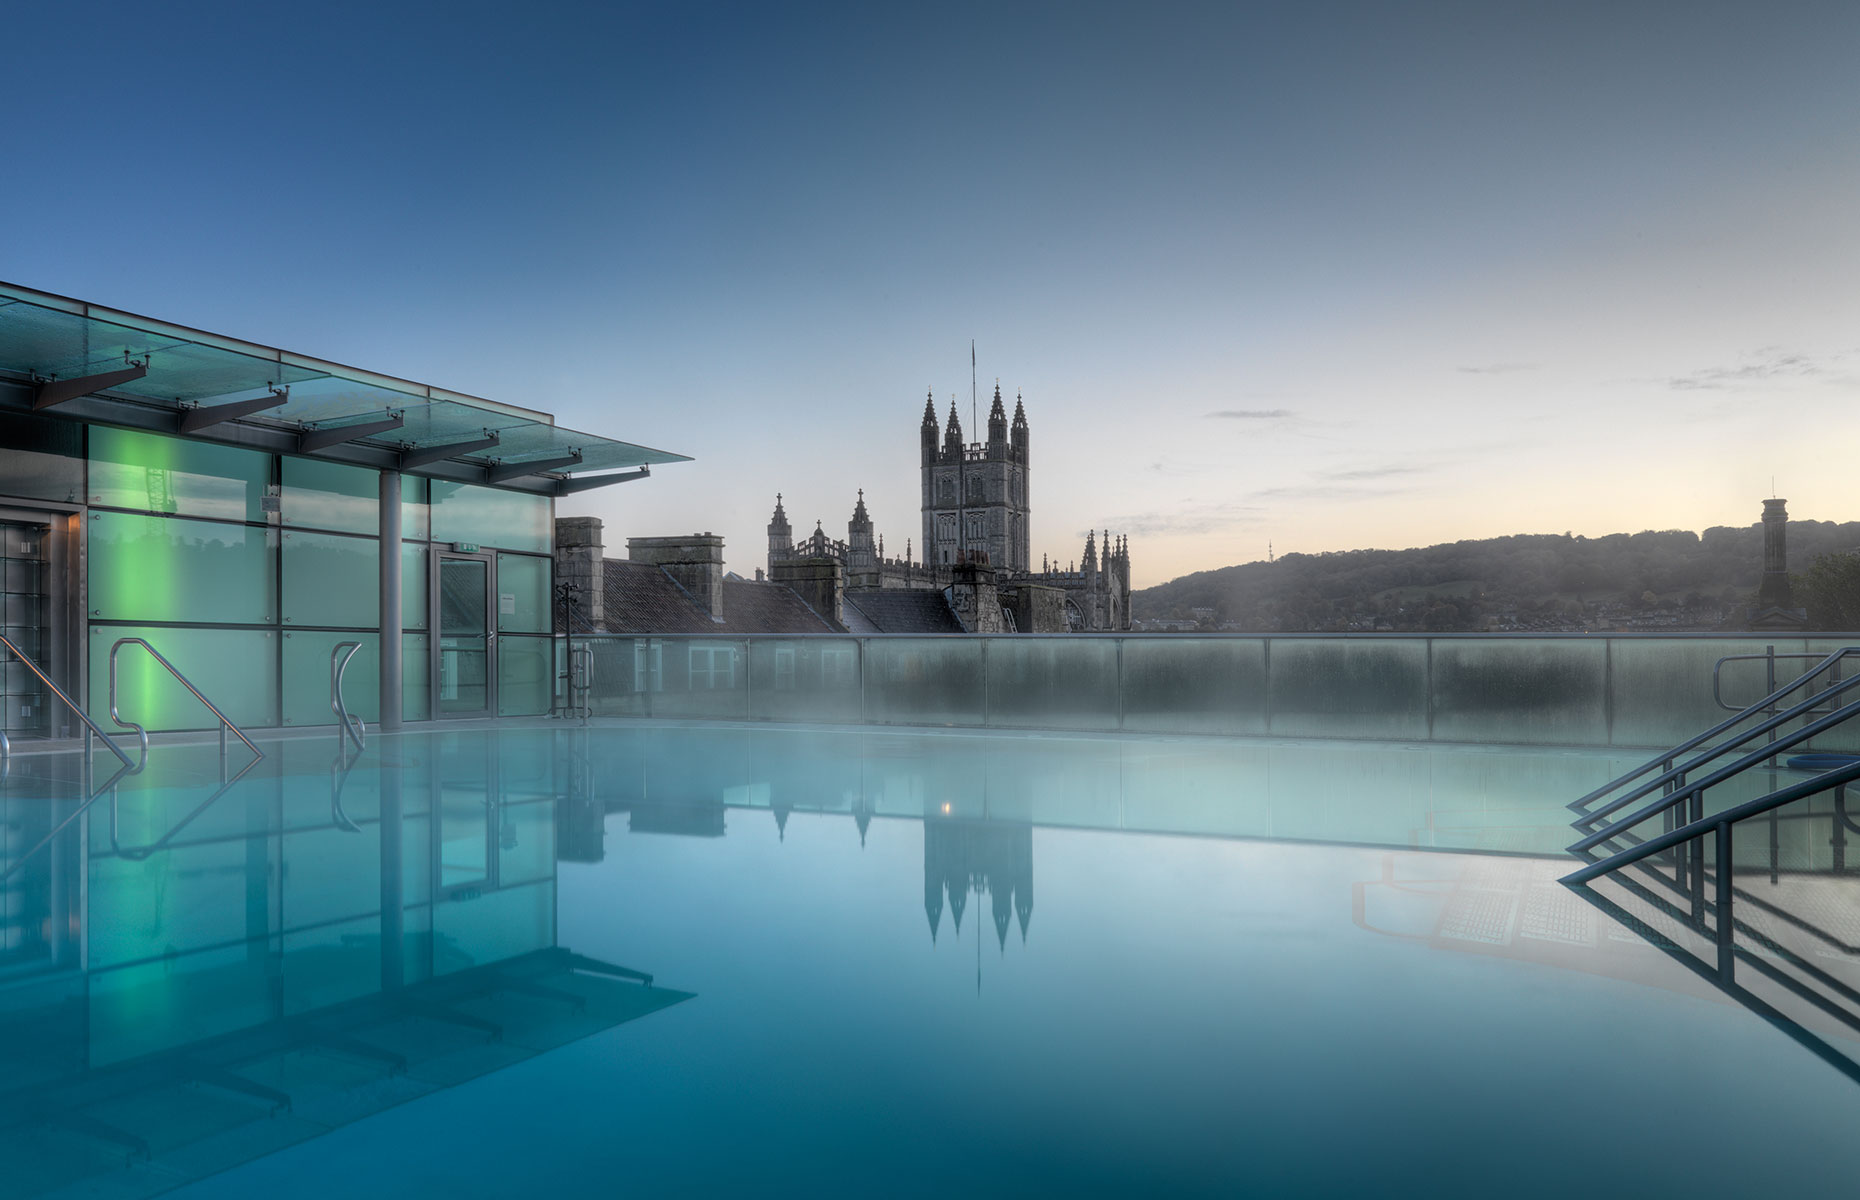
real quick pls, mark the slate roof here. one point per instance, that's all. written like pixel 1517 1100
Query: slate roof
pixel 904 610
pixel 640 598
pixel 750 607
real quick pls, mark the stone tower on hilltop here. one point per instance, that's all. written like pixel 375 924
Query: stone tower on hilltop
pixel 975 496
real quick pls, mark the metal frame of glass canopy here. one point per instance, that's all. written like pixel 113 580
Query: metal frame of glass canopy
pixel 77 360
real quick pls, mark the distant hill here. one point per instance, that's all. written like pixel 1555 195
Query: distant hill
pixel 1671 578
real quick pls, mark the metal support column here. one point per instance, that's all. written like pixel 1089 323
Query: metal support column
pixel 390 602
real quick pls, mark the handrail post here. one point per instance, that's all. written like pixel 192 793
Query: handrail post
pixel 1770 665
pixel 1727 960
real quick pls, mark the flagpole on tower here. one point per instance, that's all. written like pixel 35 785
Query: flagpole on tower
pixel 975 421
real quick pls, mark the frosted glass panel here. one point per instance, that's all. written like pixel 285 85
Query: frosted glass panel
pixel 1528 690
pixel 237 667
pixel 525 675
pixel 306 677
pixel 174 475
pixel 170 569
pixel 329 495
pixel 1344 687
pixel 808 679
pixel 416 516
pixel 929 681
pixel 1662 688
pixel 416 692
pixel 41 458
pixel 1052 683
pixel 413 586
pixel 485 516
pixel 331 580
pixel 522 594
pixel 1195 685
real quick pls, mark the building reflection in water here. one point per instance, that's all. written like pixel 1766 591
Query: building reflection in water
pixel 979 797
pixel 979 858
pixel 318 935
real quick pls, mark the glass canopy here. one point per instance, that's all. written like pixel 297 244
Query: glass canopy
pixel 46 337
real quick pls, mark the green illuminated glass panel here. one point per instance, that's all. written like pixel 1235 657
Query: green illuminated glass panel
pixel 306 677
pixel 525 675
pixel 330 495
pixel 482 516
pixel 522 594
pixel 171 569
pixel 416 515
pixel 152 473
pixel 413 586
pixel 331 580
pixel 238 668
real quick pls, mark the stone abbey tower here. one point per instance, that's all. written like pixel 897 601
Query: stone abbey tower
pixel 975 496
pixel 975 506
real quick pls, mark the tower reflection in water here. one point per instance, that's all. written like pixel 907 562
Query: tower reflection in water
pixel 200 968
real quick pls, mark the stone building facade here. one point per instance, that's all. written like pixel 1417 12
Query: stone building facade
pixel 976 513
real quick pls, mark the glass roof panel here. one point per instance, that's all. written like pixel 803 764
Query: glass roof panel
pixel 48 340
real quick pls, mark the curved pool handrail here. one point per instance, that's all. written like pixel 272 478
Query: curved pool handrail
pixel 358 731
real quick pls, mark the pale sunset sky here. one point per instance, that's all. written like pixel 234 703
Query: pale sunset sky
pixel 1329 275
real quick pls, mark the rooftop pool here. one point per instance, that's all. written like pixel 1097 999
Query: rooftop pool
pixel 715 959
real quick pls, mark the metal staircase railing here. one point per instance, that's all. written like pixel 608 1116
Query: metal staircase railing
pixel 90 725
pixel 1719 826
pixel 1673 773
pixel 142 733
pixel 1680 798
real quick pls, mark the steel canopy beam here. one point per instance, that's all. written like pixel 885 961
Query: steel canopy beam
pixel 312 440
pixel 586 483
pixel 420 456
pixel 56 391
pixel 535 466
pixel 200 417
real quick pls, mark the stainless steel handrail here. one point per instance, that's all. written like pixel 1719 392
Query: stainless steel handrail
pixel 1696 789
pixel 353 726
pixel 1717 670
pixel 1675 776
pixel 141 732
pixel 1721 822
pixel 69 703
pixel 1665 759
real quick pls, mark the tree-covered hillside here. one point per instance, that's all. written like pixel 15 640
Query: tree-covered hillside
pixel 1671 578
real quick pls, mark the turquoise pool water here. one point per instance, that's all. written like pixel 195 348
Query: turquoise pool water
pixel 882 964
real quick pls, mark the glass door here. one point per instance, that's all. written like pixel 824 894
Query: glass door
pixel 465 666
pixel 34 594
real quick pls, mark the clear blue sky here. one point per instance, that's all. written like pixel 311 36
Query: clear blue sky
pixel 1450 270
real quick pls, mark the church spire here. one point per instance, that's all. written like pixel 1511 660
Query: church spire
pixel 997 426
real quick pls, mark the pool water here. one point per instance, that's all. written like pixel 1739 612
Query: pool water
pixel 897 963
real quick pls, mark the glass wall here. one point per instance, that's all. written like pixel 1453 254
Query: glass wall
pixel 1630 691
pixel 248 570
